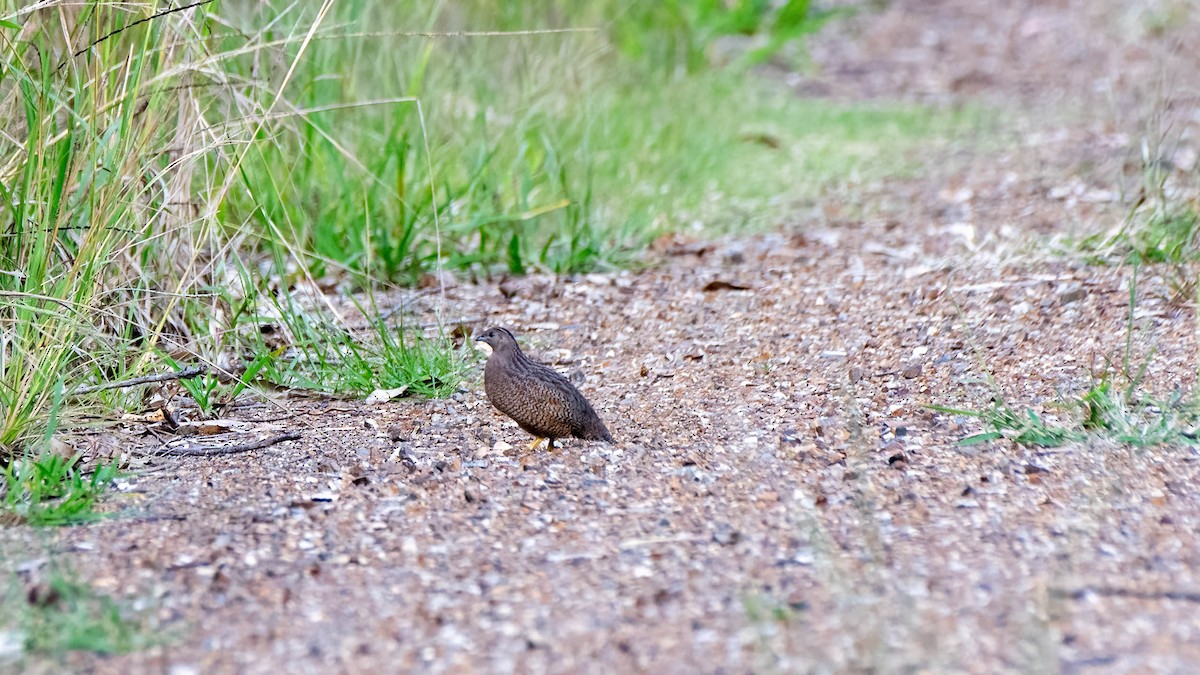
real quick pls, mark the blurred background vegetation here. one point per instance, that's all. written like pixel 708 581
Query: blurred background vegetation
pixel 173 178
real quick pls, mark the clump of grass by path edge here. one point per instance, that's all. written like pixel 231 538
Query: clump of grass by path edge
pixel 1123 414
pixel 1162 226
pixel 45 621
pixel 50 490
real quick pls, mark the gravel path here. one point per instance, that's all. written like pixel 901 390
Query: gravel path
pixel 780 497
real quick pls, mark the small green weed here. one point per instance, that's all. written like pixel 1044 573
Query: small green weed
pixel 62 615
pixel 761 608
pixel 330 359
pixel 1166 235
pixel 426 367
pixel 1023 428
pixel 51 491
pixel 204 390
pixel 1166 238
pixel 1121 414
pixel 1102 411
pixel 1162 227
pixel 210 393
pixel 1170 239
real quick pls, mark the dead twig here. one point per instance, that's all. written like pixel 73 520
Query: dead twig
pixel 465 321
pixel 455 322
pixel 294 415
pixel 185 374
pixel 404 305
pixel 209 450
pixel 1115 592
pixel 155 517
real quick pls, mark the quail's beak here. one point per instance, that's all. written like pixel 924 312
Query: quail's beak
pixel 487 346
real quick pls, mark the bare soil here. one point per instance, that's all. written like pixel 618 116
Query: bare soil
pixel 780 497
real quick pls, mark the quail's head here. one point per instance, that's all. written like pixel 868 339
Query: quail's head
pixel 499 339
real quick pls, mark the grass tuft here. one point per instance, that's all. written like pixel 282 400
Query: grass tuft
pixel 1023 428
pixel 60 615
pixel 1101 412
pixel 52 491
pixel 1162 227
pixel 1125 415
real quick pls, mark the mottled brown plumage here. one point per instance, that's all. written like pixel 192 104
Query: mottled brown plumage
pixel 539 399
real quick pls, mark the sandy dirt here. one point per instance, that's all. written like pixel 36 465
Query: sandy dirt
pixel 780 498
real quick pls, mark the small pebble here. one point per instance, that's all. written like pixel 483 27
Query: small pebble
pixel 726 535
pixel 1071 293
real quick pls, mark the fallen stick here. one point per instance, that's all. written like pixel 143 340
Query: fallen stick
pixel 210 450
pixel 1116 592
pixel 457 322
pixel 294 415
pixel 154 518
pixel 465 321
pixel 185 374
pixel 416 296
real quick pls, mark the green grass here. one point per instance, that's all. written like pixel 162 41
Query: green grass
pixel 332 360
pixel 1162 226
pixel 544 151
pixel 53 491
pixel 1123 414
pixel 172 184
pixel 60 615
pixel 209 391
pixel 1024 427
pixel 1103 411
pixel 1164 233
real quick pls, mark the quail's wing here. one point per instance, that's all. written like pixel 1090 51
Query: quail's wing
pixel 569 405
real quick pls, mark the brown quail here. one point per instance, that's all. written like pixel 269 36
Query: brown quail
pixel 539 399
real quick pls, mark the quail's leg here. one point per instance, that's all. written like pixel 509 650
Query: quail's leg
pixel 538 441
pixel 529 450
